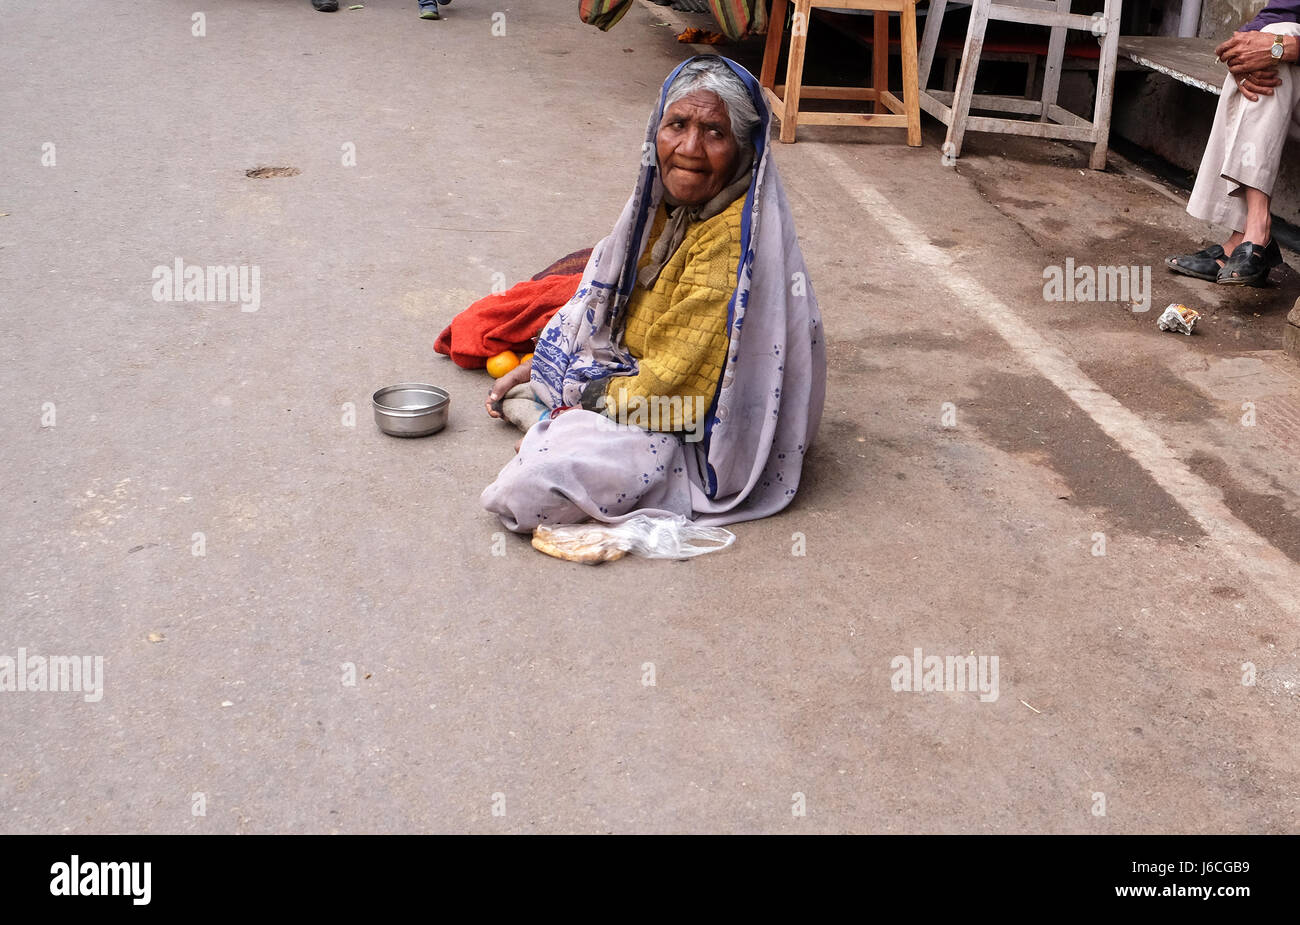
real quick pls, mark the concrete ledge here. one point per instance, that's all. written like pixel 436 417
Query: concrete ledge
pixel 1189 60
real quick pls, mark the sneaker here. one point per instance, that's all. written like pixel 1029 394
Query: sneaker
pixel 325 6
pixel 429 9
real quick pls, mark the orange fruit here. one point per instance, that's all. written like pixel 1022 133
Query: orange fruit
pixel 525 358
pixel 502 363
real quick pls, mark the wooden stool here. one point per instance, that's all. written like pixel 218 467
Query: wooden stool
pixel 785 98
pixel 1053 121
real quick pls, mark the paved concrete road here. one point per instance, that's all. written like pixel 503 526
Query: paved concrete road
pixel 981 448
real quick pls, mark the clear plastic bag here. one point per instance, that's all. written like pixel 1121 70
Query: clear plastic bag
pixel 651 537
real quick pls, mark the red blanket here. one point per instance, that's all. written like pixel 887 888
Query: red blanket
pixel 509 320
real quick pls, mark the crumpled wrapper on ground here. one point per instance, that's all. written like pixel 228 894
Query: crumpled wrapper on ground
pixel 1178 318
pixel 642 535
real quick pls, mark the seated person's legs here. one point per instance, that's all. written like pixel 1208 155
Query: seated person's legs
pixel 582 466
pixel 1237 173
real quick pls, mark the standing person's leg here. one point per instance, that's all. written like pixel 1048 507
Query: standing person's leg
pixel 1240 166
pixel 429 9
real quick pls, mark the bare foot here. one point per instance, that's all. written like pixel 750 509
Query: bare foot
pixel 520 373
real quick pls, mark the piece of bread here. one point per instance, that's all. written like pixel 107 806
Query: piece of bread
pixel 590 546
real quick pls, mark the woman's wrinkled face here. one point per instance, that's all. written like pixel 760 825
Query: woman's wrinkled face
pixel 697 150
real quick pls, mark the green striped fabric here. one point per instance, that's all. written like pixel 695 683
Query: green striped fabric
pixel 603 14
pixel 739 18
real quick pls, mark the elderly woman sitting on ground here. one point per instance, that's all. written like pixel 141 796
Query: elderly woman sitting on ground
pixel 687 374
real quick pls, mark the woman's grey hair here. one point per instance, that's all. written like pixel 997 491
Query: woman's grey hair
pixel 713 74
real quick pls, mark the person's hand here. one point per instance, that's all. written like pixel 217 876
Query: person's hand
pixel 520 373
pixel 1260 83
pixel 1247 53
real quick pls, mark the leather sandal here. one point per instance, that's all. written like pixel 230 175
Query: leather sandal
pixel 1249 264
pixel 1202 265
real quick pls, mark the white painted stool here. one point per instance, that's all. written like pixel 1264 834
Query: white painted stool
pixel 953 109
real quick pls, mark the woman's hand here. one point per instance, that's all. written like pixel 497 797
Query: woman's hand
pixel 521 373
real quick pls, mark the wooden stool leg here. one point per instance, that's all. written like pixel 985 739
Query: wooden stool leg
pixel 1105 88
pixel 1055 59
pixel 794 70
pixel 880 56
pixel 930 41
pixel 772 50
pixel 970 60
pixel 911 89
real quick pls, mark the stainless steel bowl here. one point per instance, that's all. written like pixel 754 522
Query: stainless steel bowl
pixel 411 409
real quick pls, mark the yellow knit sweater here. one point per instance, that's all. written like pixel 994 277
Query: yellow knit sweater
pixel 677 330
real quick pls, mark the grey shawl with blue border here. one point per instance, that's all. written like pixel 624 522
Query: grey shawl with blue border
pixel 769 401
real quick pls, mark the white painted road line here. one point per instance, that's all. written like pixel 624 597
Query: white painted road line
pixel 1274 574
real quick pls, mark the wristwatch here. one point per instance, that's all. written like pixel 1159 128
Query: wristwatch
pixel 1278 48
